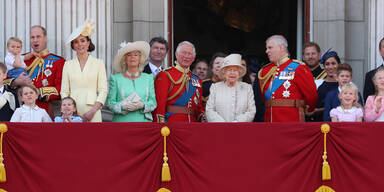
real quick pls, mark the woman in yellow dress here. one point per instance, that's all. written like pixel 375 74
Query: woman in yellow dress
pixel 84 77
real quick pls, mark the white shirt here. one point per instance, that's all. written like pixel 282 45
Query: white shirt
pixel 10 59
pixel 1 90
pixel 155 70
pixel 30 114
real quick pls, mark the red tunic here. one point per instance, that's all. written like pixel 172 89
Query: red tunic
pixel 47 78
pixel 166 88
pixel 299 85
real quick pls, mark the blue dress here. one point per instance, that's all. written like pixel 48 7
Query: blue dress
pixel 322 92
pixel 59 119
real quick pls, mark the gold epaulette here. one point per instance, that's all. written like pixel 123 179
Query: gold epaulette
pixel 7 82
pixel 264 79
pixel 322 75
pixel 299 62
pixel 205 80
pixel 47 91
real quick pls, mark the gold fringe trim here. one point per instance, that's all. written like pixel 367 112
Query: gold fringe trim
pixel 2 190
pixel 165 172
pixel 3 176
pixel 324 188
pixel 160 190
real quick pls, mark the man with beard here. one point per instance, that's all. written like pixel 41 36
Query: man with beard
pixel 157 53
pixel 369 87
pixel 311 57
pixel 286 85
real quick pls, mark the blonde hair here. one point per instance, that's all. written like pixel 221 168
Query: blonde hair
pixel 380 69
pixel 21 89
pixel 14 39
pixel 350 86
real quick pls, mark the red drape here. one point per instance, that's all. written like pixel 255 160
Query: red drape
pixel 204 157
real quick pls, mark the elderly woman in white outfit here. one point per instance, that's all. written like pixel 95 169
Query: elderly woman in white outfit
pixel 231 100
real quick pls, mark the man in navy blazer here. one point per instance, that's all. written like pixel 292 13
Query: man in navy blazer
pixel 158 51
pixel 369 87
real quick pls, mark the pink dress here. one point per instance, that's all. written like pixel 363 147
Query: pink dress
pixel 346 115
pixel 370 109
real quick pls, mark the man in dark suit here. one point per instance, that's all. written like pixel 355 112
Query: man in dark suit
pixel 158 51
pixel 369 87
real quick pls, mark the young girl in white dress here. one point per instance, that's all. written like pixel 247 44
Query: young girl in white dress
pixel 29 111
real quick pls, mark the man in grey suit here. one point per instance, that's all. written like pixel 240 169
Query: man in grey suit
pixel 158 51
pixel 369 87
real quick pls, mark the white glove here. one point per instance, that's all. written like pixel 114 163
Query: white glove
pixel 132 103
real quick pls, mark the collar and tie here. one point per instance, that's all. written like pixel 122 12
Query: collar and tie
pixel 157 71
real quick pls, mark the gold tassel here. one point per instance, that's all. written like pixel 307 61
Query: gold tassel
pixel 326 170
pixel 324 188
pixel 2 190
pixel 160 190
pixel 165 172
pixel 3 176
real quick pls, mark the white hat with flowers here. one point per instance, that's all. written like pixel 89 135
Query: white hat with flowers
pixel 87 30
pixel 141 46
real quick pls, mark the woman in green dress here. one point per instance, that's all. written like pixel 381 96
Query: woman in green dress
pixel 131 95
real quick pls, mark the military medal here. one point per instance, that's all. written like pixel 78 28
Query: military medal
pixel 197 93
pixel 195 83
pixel 196 100
pixel 286 85
pixel 44 82
pixel 48 72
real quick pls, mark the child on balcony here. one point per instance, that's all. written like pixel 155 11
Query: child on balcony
pixel 29 111
pixel 349 110
pixel 374 107
pixel 343 76
pixel 68 111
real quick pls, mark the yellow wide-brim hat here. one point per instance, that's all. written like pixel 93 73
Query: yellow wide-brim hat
pixel 87 29
pixel 142 46
pixel 229 61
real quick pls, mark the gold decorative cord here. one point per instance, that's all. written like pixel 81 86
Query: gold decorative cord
pixel 264 79
pixel 165 172
pixel 184 78
pixel 3 177
pixel 37 62
pixel 326 169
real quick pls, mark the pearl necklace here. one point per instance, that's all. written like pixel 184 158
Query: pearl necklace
pixel 136 75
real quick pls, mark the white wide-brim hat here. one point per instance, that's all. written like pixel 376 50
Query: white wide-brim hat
pixel 87 29
pixel 119 61
pixel 229 61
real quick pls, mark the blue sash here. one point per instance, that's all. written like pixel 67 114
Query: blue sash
pixel 185 97
pixel 48 63
pixel 277 82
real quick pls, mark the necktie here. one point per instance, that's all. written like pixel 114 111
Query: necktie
pixel 157 71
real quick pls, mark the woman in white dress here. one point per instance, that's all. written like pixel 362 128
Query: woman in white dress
pixel 231 100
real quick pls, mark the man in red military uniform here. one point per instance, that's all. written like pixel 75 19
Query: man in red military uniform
pixel 287 85
pixel 44 69
pixel 178 91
